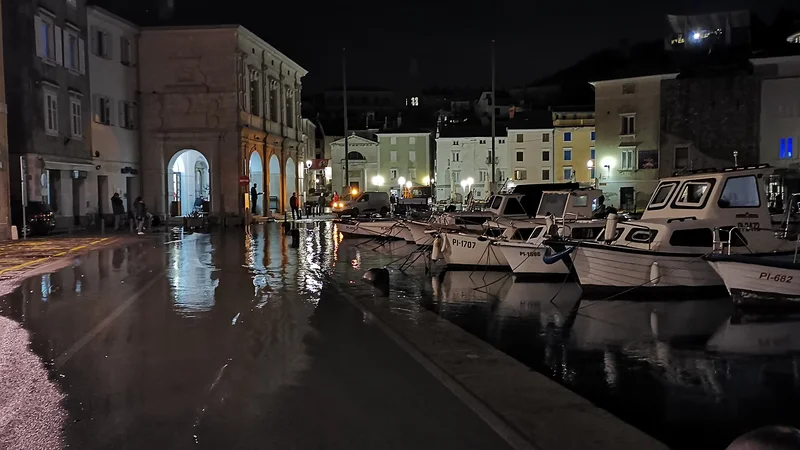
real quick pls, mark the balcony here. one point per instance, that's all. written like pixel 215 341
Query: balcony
pixel 489 160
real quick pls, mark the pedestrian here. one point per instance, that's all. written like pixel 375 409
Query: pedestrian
pixel 118 209
pixel 141 214
pixel 335 196
pixel 253 198
pixel 393 202
pixel 321 203
pixel 293 204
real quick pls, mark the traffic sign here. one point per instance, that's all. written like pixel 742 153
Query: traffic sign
pixel 244 180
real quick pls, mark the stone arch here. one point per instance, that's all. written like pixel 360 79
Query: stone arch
pixel 274 180
pixel 256 171
pixel 188 178
pixel 291 179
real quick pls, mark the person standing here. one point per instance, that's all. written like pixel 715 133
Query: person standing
pixel 253 198
pixel 118 209
pixel 141 214
pixel 293 204
pixel 321 203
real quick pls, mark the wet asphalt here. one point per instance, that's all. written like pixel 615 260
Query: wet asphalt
pixel 228 341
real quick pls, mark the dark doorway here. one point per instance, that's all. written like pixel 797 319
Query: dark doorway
pixel 102 194
pixel 627 199
pixel 129 194
pixel 77 188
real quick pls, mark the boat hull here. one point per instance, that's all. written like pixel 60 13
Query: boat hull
pixel 526 259
pixel 754 285
pixel 472 251
pixel 383 229
pixel 418 233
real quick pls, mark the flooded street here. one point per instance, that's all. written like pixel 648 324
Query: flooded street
pixel 223 341
pixel 227 341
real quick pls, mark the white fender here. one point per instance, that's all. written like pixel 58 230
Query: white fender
pixel 435 285
pixel 611 227
pixel 436 252
pixel 655 273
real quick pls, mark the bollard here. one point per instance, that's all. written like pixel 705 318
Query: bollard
pixel 102 225
pixel 295 238
pixel 286 225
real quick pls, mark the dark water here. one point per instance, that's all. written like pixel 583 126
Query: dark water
pixel 691 373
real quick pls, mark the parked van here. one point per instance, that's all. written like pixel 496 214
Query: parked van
pixel 365 203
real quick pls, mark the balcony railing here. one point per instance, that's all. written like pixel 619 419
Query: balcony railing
pixel 489 160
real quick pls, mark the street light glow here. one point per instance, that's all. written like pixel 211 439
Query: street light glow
pixel 308 164
pixel 470 181
pixel 426 181
pixel 408 184
pixel 377 180
pixel 590 163
pixel 463 184
pixel 696 36
pixel 401 181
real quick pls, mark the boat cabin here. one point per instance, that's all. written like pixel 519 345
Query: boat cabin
pixel 500 205
pixel 573 204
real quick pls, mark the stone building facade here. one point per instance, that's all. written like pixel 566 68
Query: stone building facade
pixel 704 120
pixel 225 93
pixel 47 89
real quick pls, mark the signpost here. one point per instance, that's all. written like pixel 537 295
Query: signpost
pixel 244 180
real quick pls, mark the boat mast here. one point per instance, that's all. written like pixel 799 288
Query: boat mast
pixel 491 105
pixel 346 132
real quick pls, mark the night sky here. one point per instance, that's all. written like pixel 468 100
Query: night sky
pixel 419 43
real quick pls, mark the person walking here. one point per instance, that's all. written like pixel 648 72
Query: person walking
pixel 253 198
pixel 141 214
pixel 118 209
pixel 293 204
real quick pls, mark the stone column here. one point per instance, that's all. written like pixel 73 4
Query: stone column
pixel 5 193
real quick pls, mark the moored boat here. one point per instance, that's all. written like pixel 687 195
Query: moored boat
pixel 759 281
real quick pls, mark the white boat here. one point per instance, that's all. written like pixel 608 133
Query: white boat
pixel 470 250
pixel 375 228
pixel 663 252
pixel 759 281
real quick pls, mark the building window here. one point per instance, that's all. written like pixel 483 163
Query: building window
pixel 520 156
pixel 255 93
pixel 545 174
pixel 567 154
pixel 51 112
pixel 103 112
pixel 273 100
pixel 455 157
pixel 412 156
pixel 393 156
pixel 126 51
pixel 520 174
pixel 127 115
pixel 45 37
pixel 626 160
pixel 591 173
pixel 455 142
pixel 412 140
pixel 76 116
pixel 592 153
pixel 454 176
pixel 545 155
pixel 628 125
pixel 593 135
pixel 74 57
pixel 289 107
pixel 502 141
pixel 681 157
pixel 520 137
pixel 101 43
pixel 567 173
pixel 412 174
pixel 546 137
pixel 483 175
pixel 393 140
pixel 628 88
pixel 567 136
pixel 787 148
pixel 393 174
pixel 482 141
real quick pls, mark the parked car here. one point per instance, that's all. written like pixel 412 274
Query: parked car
pixel 365 203
pixel 39 219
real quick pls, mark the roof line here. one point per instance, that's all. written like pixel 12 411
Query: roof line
pixel 105 12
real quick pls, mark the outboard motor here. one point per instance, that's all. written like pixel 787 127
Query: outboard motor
pixel 611 227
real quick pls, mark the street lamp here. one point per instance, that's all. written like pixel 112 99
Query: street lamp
pixel 377 180
pixel 589 164
pixel 308 164
pixel 401 181
pixel 408 184
pixel 426 181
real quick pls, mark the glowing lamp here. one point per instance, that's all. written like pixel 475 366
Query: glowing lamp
pixel 426 181
pixel 354 192
pixel 408 184
pixel 377 180
pixel 401 181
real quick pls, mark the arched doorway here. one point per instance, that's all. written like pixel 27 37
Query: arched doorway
pixel 291 179
pixel 274 180
pixel 188 182
pixel 257 179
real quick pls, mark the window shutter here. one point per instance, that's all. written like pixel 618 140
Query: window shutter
pixel 96 108
pixel 59 45
pixel 110 111
pixel 121 114
pixel 37 25
pixel 134 116
pixel 81 56
pixel 93 42
pixel 108 46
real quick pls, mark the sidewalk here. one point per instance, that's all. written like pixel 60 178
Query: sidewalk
pixel 23 258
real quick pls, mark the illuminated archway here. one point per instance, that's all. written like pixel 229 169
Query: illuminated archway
pixel 188 181
pixel 291 179
pixel 274 179
pixel 257 180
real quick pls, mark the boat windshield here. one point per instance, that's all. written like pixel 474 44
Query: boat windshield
pixel 552 203
pixel 514 208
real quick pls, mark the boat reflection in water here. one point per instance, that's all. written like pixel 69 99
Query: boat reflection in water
pixel 764 335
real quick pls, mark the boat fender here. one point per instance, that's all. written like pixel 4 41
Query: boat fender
pixel 655 273
pixel 436 252
pixel 435 283
pixel 611 227
pixel 553 258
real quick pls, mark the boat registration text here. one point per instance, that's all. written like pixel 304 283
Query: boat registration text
pixel 777 277
pixel 465 244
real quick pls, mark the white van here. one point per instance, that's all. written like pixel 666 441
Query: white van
pixel 365 203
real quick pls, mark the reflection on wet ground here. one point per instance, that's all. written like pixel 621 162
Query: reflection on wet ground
pixel 692 373
pixel 227 341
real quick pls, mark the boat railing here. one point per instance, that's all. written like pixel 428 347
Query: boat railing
pixel 724 246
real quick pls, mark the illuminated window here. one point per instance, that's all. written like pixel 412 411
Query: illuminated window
pixel 567 173
pixel 567 154
pixel 787 148
pixel 567 136
pixel 593 135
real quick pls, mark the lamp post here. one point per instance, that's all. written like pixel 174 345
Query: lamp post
pixel 590 166
pixel 426 181
pixel 464 189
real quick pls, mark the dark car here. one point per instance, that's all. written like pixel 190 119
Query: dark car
pixel 39 218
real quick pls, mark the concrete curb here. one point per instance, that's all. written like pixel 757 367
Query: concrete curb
pixel 525 408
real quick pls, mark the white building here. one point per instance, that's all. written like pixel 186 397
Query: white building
pixel 113 85
pixel 363 163
pixel 463 153
pixel 530 139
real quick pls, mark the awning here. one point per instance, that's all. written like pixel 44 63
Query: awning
pixel 63 165
pixel 319 164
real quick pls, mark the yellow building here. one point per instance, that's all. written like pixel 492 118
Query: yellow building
pixel 574 146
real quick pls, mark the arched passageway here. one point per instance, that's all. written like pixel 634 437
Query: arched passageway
pixel 188 182
pixel 274 180
pixel 257 180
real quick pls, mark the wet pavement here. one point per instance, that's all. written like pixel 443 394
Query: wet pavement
pixel 224 341
pixel 694 373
